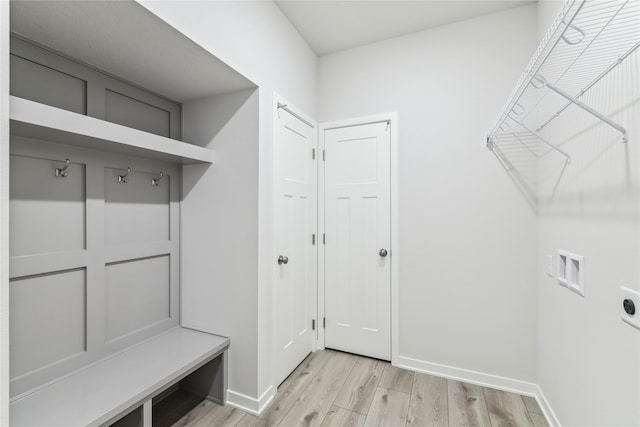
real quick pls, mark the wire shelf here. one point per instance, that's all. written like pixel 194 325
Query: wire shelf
pixel 587 40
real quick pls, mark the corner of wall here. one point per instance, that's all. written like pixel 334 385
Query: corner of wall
pixel 4 212
pixel 253 406
pixel 551 417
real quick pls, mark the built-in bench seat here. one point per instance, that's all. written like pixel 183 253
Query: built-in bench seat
pixel 126 382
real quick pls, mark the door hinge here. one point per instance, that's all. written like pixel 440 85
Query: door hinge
pixel 313 239
pixel 313 324
pixel 313 154
pixel 323 156
pixel 324 239
pixel 324 323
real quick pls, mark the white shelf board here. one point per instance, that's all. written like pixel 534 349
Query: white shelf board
pixel 34 120
pixel 100 392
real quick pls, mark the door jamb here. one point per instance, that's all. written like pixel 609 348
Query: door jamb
pixel 392 119
pixel 277 102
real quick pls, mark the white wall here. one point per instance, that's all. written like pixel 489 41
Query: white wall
pixel 257 40
pixel 588 359
pixel 467 237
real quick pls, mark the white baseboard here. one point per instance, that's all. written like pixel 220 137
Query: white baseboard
pixel 256 406
pixel 552 419
pixel 249 404
pixel 484 380
pixel 472 377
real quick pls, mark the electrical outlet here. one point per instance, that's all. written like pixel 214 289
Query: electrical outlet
pixel 630 306
pixel 550 265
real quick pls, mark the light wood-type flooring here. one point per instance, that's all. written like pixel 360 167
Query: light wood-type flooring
pixel 332 388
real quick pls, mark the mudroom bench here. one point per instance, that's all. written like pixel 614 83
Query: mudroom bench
pixel 119 390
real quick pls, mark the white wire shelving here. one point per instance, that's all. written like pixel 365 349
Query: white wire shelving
pixel 587 40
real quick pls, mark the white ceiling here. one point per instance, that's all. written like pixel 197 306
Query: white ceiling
pixel 126 40
pixel 330 26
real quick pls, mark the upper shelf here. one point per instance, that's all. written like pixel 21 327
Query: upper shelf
pixel 587 40
pixel 35 120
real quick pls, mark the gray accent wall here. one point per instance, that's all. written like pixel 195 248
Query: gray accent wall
pixel 46 85
pixel 41 75
pixel 63 228
pixel 127 111
pixel 95 263
pixel 220 228
pixel 48 319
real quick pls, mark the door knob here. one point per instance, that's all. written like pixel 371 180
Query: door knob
pixel 383 253
pixel 283 259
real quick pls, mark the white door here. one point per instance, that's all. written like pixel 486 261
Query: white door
pixel 358 235
pixel 294 257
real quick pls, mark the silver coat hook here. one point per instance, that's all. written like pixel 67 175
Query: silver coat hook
pixel 156 181
pixel 62 173
pixel 123 178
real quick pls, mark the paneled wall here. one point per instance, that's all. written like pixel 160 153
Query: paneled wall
pixel 94 261
pixel 40 75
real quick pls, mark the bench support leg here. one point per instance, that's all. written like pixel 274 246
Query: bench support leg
pixel 147 413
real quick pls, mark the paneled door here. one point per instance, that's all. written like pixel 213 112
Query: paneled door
pixel 295 252
pixel 358 235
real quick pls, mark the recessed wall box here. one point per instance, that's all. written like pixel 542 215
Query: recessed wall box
pixel 575 273
pixel 571 271
pixel 563 259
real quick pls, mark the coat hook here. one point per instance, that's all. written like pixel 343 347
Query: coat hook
pixel 123 178
pixel 62 173
pixel 156 181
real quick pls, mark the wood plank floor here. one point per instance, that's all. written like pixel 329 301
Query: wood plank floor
pixel 335 389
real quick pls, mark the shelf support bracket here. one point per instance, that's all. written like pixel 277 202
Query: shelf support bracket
pixel 541 82
pixel 543 139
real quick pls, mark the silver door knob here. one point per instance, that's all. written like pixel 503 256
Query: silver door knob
pixel 283 259
pixel 383 253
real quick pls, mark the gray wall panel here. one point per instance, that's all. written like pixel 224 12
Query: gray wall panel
pixel 127 111
pixel 47 212
pixel 42 84
pixel 132 284
pixel 135 211
pixel 42 75
pixel 48 318
pixel 137 295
